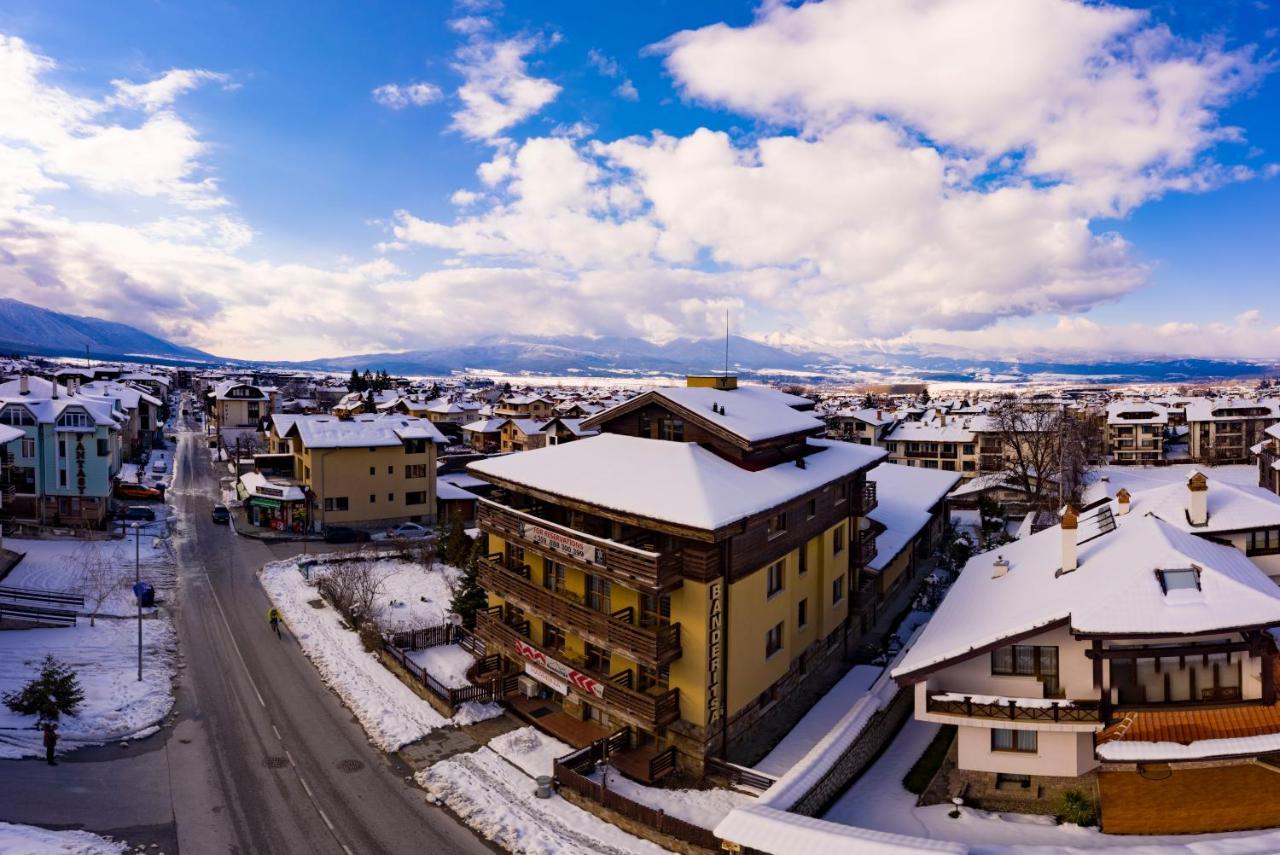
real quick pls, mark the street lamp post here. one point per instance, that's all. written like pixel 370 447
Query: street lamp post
pixel 137 580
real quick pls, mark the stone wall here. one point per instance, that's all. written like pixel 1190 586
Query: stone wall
pixel 878 733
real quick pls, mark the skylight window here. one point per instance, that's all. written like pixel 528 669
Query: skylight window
pixel 1185 578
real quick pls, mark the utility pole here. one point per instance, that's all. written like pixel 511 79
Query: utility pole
pixel 137 591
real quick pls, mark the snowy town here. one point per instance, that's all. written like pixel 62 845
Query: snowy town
pixel 770 427
pixel 685 616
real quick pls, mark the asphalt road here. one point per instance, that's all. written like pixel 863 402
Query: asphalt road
pixel 262 757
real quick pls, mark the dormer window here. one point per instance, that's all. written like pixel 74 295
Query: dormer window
pixel 1183 578
pixel 74 419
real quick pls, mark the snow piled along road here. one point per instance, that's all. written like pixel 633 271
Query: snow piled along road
pixel 390 712
pixel 30 840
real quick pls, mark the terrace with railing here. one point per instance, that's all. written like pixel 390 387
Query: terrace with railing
pixel 649 709
pixel 1014 709
pixel 652 644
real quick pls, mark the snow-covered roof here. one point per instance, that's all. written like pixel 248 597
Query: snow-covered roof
pixel 954 430
pixel 1226 409
pixel 574 426
pixel 752 413
pixel 904 496
pixel 485 426
pixel 1135 413
pixel 254 482
pixel 675 482
pixel 220 391
pixel 1115 589
pixel 128 395
pixel 1232 507
pixel 9 434
pixel 451 492
pixel 871 416
pixel 102 411
pixel 363 431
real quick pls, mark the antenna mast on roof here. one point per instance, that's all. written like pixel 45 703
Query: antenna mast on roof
pixel 726 342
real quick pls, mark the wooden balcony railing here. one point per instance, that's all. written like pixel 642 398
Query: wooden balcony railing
pixel 650 645
pixel 865 549
pixel 867 501
pixel 634 567
pixel 1083 712
pixel 649 710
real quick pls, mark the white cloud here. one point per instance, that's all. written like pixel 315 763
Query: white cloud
pixel 469 25
pixel 627 91
pixel 398 96
pixel 163 90
pixel 606 65
pixel 498 91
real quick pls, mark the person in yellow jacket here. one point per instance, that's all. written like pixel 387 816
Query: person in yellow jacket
pixel 273 617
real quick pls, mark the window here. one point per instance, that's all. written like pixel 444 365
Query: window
pixel 837 541
pixel 62 477
pixel 1022 741
pixel 414 446
pixel 553 576
pixel 103 448
pixel 391 497
pixel 802 614
pixel 804 559
pixel 373 470
pixel 597 658
pixel 837 590
pixel 1028 660
pixel 812 509
pixel 16 415
pixel 415 470
pixel 671 429
pixel 552 637
pixel 1184 578
pixel 28 446
pixel 335 503
pixel 773 641
pixel 776 575
pixel 599 594
pixel 417 497
pixel 776 525
pixel 74 419
pixel 373 499
pixel 1264 542
pixel 645 426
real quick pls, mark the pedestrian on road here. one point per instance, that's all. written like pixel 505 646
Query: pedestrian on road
pixel 50 740
pixel 274 617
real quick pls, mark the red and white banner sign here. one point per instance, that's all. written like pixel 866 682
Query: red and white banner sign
pixel 546 678
pixel 555 666
pixel 562 543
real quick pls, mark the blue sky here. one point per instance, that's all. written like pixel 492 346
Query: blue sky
pixel 767 162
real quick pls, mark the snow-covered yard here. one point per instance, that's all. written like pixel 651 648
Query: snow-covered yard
pixel 447 663
pixel 390 712
pixel 30 840
pixel 414 597
pixel 59 565
pixel 496 798
pixel 819 720
pixel 116 705
pixel 878 801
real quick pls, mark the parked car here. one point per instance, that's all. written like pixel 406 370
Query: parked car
pixel 408 531
pixel 139 513
pixel 343 534
pixel 221 515
pixel 136 491
pixel 158 466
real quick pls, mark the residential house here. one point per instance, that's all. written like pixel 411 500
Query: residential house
pixel 1089 645
pixel 1135 432
pixel 686 574
pixel 1223 430
pixel 868 426
pixel 484 435
pixel 1268 453
pixel 524 407
pixel 563 429
pixel 521 435
pixel 368 471
pixel 143 425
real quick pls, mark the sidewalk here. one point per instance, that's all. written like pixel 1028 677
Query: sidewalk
pixel 240 525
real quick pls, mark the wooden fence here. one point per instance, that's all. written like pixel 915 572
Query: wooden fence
pixel 453 697
pixel 738 775
pixel 571 774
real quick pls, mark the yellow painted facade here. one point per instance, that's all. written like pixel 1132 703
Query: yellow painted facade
pixel 378 484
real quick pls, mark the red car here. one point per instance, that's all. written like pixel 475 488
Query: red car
pixel 136 491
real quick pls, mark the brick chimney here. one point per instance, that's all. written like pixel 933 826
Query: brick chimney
pixel 1122 502
pixel 1070 522
pixel 1198 499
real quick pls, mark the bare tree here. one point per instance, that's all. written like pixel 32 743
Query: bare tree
pixel 353 586
pixel 1048 451
pixel 101 577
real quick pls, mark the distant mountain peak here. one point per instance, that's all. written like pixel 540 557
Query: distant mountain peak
pixel 31 329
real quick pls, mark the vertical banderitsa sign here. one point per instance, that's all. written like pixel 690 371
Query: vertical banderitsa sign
pixel 715 652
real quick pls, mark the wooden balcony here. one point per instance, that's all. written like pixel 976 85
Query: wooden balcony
pixel 864 547
pixel 634 567
pixel 867 501
pixel 1070 712
pixel 650 645
pixel 649 710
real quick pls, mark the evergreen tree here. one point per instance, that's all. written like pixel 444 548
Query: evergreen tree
pixel 470 598
pixel 55 692
pixel 868 402
pixel 924 397
pixel 355 384
pixel 457 546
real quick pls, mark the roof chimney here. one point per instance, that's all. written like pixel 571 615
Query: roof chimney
pixel 24 385
pixel 1122 500
pixel 1198 499
pixel 999 568
pixel 53 384
pixel 1070 522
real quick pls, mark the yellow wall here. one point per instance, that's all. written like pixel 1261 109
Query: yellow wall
pixel 345 472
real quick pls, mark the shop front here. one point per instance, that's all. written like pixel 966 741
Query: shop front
pixel 277 506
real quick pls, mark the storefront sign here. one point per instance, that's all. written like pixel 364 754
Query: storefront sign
pixel 546 678
pixel 270 491
pixel 555 666
pixel 264 503
pixel 558 542
pixel 715 651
